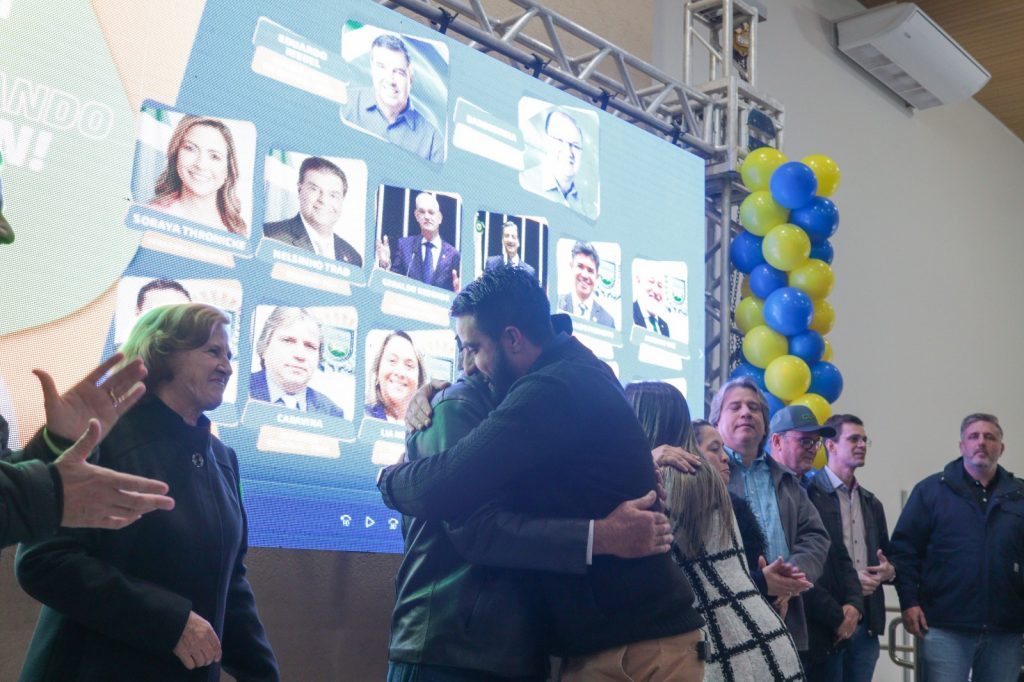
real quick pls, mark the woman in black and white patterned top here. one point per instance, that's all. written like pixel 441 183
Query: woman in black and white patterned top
pixel 746 639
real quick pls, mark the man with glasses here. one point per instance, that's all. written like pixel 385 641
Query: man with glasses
pixel 556 176
pixel 846 609
pixel 853 513
pixel 424 256
pixel 322 189
pixel 771 484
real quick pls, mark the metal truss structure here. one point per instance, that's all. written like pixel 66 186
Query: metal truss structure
pixel 716 113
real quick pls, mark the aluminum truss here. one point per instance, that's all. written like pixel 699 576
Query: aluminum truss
pixel 717 115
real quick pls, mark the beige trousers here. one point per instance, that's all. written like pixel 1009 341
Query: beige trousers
pixel 669 659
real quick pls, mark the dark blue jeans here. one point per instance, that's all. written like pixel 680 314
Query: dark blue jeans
pixel 860 657
pixel 853 663
pixel 949 655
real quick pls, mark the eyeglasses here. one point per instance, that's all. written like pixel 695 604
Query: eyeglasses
pixel 807 442
pixel 859 439
pixel 575 147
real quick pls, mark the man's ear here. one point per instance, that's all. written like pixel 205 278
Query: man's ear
pixel 512 340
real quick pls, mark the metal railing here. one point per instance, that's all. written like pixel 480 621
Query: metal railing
pixel 894 649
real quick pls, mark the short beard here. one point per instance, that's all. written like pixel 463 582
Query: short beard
pixel 502 377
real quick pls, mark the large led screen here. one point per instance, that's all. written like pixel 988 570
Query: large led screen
pixel 329 174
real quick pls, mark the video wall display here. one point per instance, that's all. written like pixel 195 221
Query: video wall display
pixel 330 175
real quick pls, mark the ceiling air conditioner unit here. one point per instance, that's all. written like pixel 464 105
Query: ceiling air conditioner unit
pixel 911 55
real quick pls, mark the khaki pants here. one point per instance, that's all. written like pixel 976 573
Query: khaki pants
pixel 670 659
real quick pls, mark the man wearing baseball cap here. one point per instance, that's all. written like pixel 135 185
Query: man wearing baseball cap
pixel 833 607
pixel 794 530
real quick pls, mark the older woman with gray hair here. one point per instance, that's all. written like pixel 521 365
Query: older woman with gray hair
pixel 167 599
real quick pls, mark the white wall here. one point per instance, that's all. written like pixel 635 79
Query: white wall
pixel 928 272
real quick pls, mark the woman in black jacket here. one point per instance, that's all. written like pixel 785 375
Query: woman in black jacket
pixel 165 600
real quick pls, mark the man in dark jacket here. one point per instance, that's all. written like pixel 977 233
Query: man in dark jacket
pixel 958 548
pixel 37 497
pixel 855 519
pixel 459 611
pixel 563 443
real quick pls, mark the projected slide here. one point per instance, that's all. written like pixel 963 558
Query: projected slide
pixel 330 175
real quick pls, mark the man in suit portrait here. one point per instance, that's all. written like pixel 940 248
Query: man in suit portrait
pixel 424 257
pixel 322 190
pixel 510 249
pixel 289 352
pixel 581 301
pixel 649 293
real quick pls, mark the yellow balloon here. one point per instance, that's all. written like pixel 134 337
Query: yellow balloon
pixel 827 355
pixel 814 278
pixel 820 459
pixel 760 213
pixel 787 376
pixel 745 286
pixel 824 317
pixel 826 171
pixel 749 313
pixel 786 247
pixel 763 344
pixel 818 405
pixel 758 167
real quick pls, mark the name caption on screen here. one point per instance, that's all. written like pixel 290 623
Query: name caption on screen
pixel 410 286
pixel 331 267
pixel 171 227
pixel 310 422
pixel 302 52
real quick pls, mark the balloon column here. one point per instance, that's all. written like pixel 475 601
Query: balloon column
pixel 785 254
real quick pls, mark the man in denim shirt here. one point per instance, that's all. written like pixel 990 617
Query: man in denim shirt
pixel 791 523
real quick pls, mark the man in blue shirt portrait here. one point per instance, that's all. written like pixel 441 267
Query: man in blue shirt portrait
pixel 386 110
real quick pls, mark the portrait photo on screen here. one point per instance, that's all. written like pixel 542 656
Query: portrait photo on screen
pixel 418 235
pixel 561 154
pixel 399 88
pixel 589 281
pixel 316 204
pixel 303 359
pixel 521 241
pixel 660 302
pixel 194 168
pixel 399 363
pixel 138 295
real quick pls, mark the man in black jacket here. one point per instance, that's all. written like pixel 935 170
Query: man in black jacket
pixel 958 548
pixel 563 443
pixel 857 521
pixel 459 611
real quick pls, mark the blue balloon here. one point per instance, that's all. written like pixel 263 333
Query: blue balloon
pixel 774 405
pixel 819 218
pixel 826 381
pixel 823 251
pixel 793 184
pixel 764 279
pixel 745 252
pixel 745 369
pixel 788 311
pixel 809 346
